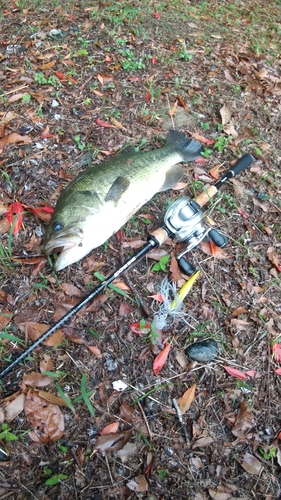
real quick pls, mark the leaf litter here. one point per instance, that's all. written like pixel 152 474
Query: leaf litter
pixel 49 131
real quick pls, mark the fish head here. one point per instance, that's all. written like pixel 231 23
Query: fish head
pixel 68 234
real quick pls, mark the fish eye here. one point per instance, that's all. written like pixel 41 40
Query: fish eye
pixel 57 226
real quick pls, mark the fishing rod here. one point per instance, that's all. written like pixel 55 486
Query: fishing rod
pixel 182 222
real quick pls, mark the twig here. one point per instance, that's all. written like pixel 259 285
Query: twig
pixel 146 422
pixel 179 415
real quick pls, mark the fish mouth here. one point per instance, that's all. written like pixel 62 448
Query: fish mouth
pixel 68 245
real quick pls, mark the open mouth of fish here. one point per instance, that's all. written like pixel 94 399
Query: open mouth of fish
pixel 66 243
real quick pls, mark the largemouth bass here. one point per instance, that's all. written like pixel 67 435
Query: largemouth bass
pixel 104 197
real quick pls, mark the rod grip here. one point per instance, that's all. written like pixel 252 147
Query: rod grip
pixel 205 196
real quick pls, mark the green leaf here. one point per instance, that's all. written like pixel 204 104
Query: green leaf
pixel 66 400
pixel 85 395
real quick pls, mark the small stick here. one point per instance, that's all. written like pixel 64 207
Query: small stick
pixel 179 415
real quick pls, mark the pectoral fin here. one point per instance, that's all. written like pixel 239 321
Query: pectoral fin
pixel 119 186
pixel 173 176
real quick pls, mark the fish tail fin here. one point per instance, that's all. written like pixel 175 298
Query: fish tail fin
pixel 190 149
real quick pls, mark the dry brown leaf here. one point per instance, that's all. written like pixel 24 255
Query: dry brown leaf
pixel 4 226
pixel 272 256
pixel 37 379
pixel 110 428
pixel 13 138
pixel 229 76
pixel 215 171
pixel 35 330
pixel 71 290
pixel 219 495
pixel 117 123
pixel 174 268
pixel 244 422
pixel 202 442
pixel 251 464
pixel 52 398
pixel 134 243
pixel 127 452
pixel 157 253
pixel 124 309
pixel 14 408
pixel 5 318
pixel 239 310
pixel 48 65
pixel 95 350
pixel 16 97
pixel 139 483
pixel 186 399
pixel 229 129
pixel 46 419
pixel 225 113
pixel 112 441
pixel 46 364
pixel 127 412
pixel 220 254
pixel 121 285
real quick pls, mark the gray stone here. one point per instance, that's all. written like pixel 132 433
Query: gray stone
pixel 203 351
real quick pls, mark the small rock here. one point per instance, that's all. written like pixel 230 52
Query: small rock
pixel 204 350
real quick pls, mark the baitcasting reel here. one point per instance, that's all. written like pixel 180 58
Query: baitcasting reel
pixel 183 220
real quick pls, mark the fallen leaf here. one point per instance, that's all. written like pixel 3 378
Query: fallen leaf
pixel 206 248
pixel 219 495
pixel 244 421
pixel 35 330
pixel 139 483
pixel 127 452
pixel 14 408
pixel 104 124
pixel 186 399
pixel 5 318
pixel 52 398
pixel 110 428
pixel 215 171
pixel 161 359
pixel 14 137
pixel 202 442
pixel 225 113
pixel 15 216
pixel 46 419
pixel 235 373
pixel 127 412
pixel 239 310
pixel 112 441
pixel 71 290
pixel 37 379
pixel 95 350
pixel 251 464
pixel 124 309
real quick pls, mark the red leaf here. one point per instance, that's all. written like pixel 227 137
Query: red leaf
pixel 235 373
pixel 156 15
pixel 243 213
pixel 120 235
pixel 278 371
pixel 276 352
pixel 60 75
pixel 158 297
pixel 101 123
pixel 154 60
pixel 147 96
pixel 17 209
pixel 161 359
pixel 213 248
pixel 140 329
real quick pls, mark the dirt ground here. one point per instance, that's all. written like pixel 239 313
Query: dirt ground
pixel 87 416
